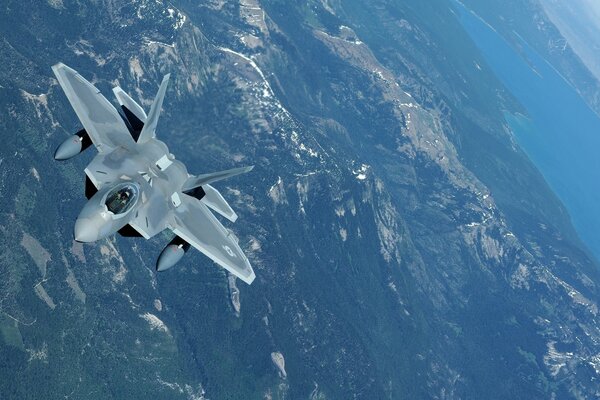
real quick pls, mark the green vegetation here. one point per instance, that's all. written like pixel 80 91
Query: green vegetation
pixel 25 202
pixel 10 332
pixel 416 301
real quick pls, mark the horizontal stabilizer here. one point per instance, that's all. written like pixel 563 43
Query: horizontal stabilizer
pixel 216 202
pixel 205 179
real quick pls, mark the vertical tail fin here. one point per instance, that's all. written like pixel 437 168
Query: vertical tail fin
pixel 133 112
pixel 195 181
pixel 126 101
pixel 215 201
pixel 149 130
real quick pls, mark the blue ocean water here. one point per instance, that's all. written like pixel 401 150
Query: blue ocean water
pixel 562 136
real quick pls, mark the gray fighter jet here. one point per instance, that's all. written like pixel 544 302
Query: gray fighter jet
pixel 136 187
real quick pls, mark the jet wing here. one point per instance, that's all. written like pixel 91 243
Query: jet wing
pixel 101 120
pixel 194 223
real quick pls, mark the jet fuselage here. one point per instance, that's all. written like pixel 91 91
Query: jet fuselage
pixel 135 182
pixel 148 173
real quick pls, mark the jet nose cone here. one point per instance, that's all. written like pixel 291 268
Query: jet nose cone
pixel 85 231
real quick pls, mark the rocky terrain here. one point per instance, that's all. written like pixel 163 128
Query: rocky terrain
pixel 404 246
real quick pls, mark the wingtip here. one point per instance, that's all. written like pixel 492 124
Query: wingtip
pixel 57 67
pixel 250 278
pixel 118 92
pixel 61 65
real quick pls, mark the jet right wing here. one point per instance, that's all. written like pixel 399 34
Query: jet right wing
pixel 100 119
pixel 193 222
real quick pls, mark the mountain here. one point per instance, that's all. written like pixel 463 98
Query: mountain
pixel 404 245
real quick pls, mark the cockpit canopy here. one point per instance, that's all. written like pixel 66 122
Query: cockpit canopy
pixel 122 197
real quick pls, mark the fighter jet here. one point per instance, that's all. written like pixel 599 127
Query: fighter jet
pixel 136 187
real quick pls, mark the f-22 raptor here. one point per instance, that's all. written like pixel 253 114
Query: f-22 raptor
pixel 136 187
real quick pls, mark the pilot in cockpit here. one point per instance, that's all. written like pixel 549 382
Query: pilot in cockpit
pixel 118 201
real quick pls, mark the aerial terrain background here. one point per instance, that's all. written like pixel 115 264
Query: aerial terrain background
pixel 408 228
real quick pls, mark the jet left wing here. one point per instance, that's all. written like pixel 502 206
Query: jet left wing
pixel 100 119
pixel 193 222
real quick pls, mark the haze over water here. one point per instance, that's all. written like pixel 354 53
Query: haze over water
pixel 563 136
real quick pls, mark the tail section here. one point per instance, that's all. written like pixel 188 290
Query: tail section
pixel 205 179
pixel 213 199
pixel 133 112
pixel 200 188
pixel 149 130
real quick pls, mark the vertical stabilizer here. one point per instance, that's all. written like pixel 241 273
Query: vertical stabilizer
pixel 149 130
pixel 216 202
pixel 126 101
pixel 205 179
